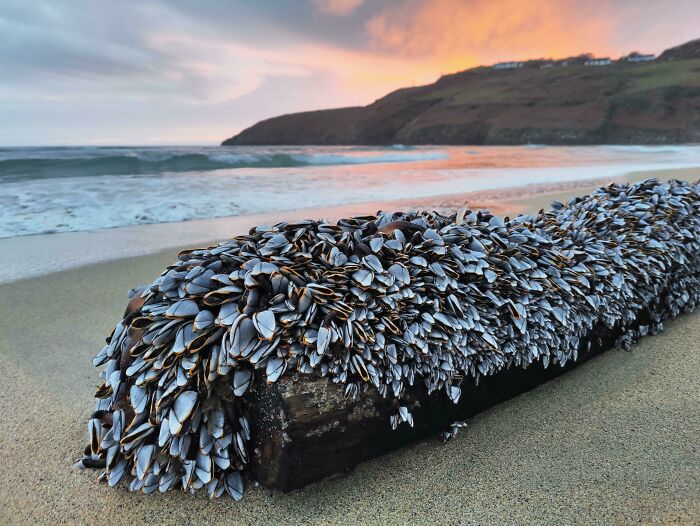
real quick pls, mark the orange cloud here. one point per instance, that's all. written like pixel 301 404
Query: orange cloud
pixel 455 32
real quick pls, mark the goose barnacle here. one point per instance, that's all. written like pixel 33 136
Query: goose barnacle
pixel 377 302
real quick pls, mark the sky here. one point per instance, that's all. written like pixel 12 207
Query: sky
pixel 102 72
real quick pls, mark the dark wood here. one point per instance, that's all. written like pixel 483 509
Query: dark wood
pixel 305 430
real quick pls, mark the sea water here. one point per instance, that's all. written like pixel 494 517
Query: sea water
pixel 63 189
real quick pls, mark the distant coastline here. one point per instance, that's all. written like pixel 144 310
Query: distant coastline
pixel 638 99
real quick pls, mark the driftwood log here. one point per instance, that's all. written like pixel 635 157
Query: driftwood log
pixel 392 305
pixel 304 429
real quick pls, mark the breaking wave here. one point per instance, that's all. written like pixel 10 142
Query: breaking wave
pixel 64 189
pixel 154 162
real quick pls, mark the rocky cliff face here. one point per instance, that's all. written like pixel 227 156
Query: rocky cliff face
pixel 650 103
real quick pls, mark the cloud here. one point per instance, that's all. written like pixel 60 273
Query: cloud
pixel 46 39
pixel 489 30
pixel 145 51
pixel 76 71
pixel 215 70
pixel 336 7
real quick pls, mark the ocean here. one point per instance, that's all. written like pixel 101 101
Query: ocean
pixel 65 189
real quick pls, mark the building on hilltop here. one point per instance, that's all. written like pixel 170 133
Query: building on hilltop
pixel 577 60
pixel 507 65
pixel 598 62
pixel 638 57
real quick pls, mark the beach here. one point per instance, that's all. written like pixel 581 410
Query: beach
pixel 612 442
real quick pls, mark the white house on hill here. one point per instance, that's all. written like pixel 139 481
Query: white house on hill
pixel 507 65
pixel 598 62
pixel 640 58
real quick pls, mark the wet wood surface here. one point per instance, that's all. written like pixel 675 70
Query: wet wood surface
pixel 306 430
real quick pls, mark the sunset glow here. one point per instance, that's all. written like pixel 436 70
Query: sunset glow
pixel 175 72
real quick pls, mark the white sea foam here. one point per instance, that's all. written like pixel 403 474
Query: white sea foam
pixel 55 201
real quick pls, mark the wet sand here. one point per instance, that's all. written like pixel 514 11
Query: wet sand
pixel 612 442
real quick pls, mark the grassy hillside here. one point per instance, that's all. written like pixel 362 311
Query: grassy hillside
pixel 653 102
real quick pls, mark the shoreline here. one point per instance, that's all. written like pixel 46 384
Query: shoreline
pixel 42 254
pixel 609 441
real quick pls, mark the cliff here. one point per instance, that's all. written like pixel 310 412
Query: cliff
pixel 642 103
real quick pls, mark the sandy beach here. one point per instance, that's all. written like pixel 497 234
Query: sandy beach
pixel 612 442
